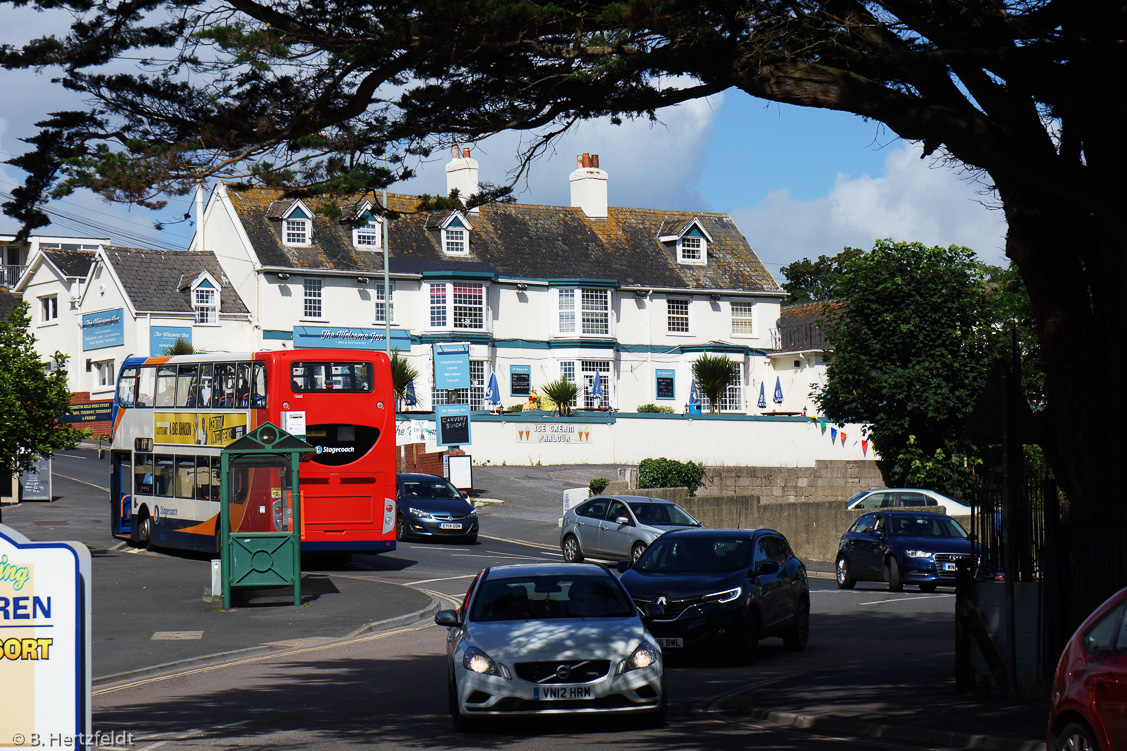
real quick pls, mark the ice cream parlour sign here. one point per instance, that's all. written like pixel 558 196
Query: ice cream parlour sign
pixel 553 432
pixel 44 642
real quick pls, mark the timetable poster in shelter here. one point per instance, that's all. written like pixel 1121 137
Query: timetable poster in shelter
pixel 199 428
pixel 44 642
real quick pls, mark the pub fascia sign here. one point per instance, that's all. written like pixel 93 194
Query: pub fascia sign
pixel 44 642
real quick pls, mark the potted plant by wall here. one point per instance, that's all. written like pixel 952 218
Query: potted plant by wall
pixel 713 374
pixel 562 393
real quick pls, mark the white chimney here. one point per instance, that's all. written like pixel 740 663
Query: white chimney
pixel 589 186
pixel 461 174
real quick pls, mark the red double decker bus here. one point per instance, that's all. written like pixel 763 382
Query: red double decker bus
pixel 172 416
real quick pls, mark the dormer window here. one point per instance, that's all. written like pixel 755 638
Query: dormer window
pixel 205 300
pixel 690 250
pixel 368 235
pixel 456 236
pixel 692 243
pixel 297 227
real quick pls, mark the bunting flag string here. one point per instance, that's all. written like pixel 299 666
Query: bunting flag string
pixel 843 438
pixel 864 447
pixel 833 435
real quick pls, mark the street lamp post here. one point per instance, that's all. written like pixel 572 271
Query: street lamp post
pixel 386 274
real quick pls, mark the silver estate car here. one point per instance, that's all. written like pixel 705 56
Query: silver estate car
pixel 550 638
pixel 618 528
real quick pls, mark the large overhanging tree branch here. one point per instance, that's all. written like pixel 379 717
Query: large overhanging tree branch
pixel 309 95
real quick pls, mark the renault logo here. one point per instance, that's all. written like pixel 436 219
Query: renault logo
pixel 662 600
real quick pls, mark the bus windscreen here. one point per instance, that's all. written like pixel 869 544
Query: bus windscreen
pixel 306 377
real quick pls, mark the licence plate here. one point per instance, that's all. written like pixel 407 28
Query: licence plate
pixel 561 693
pixel 674 642
pixel 950 567
pixel 449 525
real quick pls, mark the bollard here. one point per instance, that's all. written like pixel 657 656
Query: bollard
pixel 216 578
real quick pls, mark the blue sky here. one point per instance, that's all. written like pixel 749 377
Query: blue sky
pixel 798 182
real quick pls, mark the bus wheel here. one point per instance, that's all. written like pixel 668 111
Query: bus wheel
pixel 145 532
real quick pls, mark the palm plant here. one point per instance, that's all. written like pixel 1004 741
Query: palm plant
pixel 713 374
pixel 180 347
pixel 562 393
pixel 402 374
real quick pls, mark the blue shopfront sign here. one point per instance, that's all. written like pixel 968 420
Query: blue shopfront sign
pixel 105 329
pixel 163 337
pixel 350 337
pixel 451 366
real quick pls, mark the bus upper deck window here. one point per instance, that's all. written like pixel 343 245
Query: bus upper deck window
pixel 187 385
pixel 258 385
pixel 146 387
pixel 127 387
pixel 166 385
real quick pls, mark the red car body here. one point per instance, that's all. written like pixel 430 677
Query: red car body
pixel 1089 695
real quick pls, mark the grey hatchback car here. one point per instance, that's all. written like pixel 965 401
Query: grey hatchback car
pixel 618 528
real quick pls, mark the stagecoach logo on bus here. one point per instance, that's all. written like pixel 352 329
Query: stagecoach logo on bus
pixel 44 675
pixel 199 428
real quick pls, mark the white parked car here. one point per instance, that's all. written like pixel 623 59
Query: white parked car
pixel 907 498
pixel 550 639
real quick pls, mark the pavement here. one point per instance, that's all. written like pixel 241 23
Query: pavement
pixel 885 698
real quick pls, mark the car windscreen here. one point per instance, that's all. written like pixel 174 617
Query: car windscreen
pixel 695 556
pixel 925 525
pixel 662 515
pixel 550 597
pixel 429 489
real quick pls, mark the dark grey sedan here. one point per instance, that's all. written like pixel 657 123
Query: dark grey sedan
pixel 618 528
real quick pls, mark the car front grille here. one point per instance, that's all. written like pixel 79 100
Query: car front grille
pixel 448 517
pixel 548 672
pixel 673 608
pixel 951 557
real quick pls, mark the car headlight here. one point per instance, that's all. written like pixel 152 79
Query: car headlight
pixel 726 596
pixel 475 660
pixel 643 656
pixel 419 513
pixel 473 512
pixel 917 554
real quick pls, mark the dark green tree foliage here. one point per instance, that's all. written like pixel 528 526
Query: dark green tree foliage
pixel 670 473
pixel 815 281
pixel 309 95
pixel 32 399
pixel 912 342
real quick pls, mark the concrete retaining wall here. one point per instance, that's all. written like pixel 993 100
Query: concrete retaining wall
pixel 628 438
pixel 813 528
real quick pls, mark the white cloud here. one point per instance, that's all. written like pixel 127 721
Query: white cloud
pixel 649 165
pixel 915 200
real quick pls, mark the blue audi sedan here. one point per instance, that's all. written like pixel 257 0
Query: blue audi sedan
pixel 923 548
